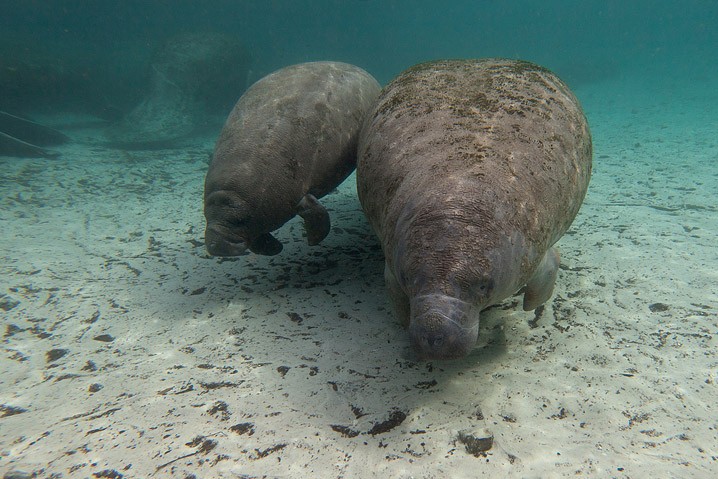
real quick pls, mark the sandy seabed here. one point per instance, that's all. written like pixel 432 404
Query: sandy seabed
pixel 128 352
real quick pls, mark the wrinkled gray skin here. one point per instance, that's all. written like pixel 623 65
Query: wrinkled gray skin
pixel 290 139
pixel 469 171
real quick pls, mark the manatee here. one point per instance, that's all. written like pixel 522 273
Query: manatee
pixel 468 172
pixel 290 140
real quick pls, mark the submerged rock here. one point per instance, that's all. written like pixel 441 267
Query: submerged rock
pixel 476 442
pixel 192 76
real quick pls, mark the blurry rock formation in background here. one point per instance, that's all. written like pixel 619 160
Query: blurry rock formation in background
pixel 147 94
pixel 194 80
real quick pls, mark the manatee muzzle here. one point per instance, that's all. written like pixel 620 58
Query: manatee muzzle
pixel 442 327
pixel 218 244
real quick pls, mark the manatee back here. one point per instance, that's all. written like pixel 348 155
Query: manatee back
pixel 497 143
pixel 293 132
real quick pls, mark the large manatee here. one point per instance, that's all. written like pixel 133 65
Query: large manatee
pixel 290 139
pixel 469 171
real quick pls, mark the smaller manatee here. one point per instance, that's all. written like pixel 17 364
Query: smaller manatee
pixel 290 139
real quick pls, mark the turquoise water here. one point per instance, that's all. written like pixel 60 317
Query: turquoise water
pixel 583 41
pixel 128 352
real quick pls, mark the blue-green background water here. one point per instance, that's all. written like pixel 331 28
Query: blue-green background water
pixel 110 42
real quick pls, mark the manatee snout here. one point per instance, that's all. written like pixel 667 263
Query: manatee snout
pixel 218 244
pixel 442 327
pixel 222 241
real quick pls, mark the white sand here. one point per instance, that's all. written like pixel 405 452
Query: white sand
pixel 263 367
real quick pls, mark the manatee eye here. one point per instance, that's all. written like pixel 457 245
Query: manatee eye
pixel 218 200
pixel 227 208
pixel 482 287
pixel 238 222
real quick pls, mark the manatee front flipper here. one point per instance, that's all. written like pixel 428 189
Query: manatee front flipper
pixel 540 286
pixel 316 219
pixel 265 244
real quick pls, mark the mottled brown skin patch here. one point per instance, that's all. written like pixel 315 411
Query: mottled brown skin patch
pixel 469 171
pixel 290 139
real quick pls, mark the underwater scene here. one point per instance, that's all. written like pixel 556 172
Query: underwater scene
pixel 358 238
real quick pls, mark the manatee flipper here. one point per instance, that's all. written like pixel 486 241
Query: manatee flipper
pixel 540 286
pixel 316 219
pixel 265 244
pixel 399 300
